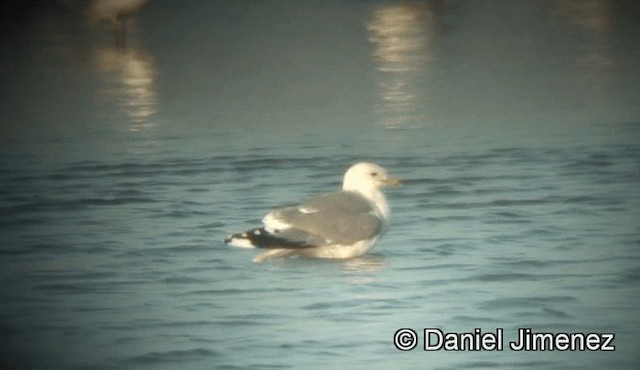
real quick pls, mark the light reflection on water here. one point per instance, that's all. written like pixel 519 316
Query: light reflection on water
pixel 129 76
pixel 593 21
pixel 404 36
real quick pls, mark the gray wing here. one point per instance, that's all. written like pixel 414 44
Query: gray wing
pixel 336 218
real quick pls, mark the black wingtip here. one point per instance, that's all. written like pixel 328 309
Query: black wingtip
pixel 247 239
pixel 262 238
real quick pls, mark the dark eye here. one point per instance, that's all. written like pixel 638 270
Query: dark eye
pixel 374 174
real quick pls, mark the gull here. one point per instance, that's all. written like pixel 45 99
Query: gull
pixel 116 13
pixel 338 225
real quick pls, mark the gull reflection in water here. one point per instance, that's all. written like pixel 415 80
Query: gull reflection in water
pixel 358 270
pixel 404 36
